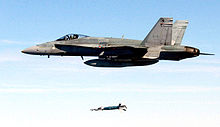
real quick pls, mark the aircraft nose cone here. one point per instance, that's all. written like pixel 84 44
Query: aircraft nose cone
pixel 30 50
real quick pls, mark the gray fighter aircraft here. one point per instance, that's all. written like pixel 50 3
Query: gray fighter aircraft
pixel 119 107
pixel 162 43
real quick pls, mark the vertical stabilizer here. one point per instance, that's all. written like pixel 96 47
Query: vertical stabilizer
pixel 160 34
pixel 178 31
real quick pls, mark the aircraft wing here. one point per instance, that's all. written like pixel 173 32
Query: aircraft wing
pixel 119 51
pixel 115 56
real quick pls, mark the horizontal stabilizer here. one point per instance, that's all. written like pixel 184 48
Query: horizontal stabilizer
pixel 153 53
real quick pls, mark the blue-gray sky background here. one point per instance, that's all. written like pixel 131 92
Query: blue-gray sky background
pixel 37 91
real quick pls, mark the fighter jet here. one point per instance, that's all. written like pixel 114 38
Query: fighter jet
pixel 162 43
pixel 119 107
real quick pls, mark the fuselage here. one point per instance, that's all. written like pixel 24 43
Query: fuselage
pixel 49 48
pixel 94 46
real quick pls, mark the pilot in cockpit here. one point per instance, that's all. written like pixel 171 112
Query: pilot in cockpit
pixel 75 36
pixel 71 37
pixel 66 38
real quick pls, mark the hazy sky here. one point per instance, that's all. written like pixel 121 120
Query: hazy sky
pixel 39 92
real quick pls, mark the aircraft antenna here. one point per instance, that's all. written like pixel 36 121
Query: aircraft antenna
pixel 122 36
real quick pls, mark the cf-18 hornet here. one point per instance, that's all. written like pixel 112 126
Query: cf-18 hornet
pixel 162 43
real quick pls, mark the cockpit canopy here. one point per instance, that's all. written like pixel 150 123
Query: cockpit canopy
pixel 71 37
